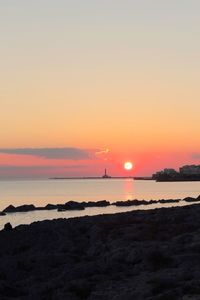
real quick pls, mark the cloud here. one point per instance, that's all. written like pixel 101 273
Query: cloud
pixel 7 171
pixel 38 168
pixel 195 155
pixel 13 168
pixel 103 154
pixel 51 153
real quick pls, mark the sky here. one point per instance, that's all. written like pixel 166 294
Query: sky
pixel 88 85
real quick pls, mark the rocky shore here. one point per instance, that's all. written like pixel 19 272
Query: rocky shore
pixel 73 205
pixel 152 254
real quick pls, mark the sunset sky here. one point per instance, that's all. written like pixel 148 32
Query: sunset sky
pixel 88 85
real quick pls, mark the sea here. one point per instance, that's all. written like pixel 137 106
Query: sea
pixel 42 192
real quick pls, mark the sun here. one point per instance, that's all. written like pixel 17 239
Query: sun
pixel 128 165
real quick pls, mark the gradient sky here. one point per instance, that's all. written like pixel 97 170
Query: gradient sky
pixel 116 80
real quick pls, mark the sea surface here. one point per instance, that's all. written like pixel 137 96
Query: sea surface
pixel 42 192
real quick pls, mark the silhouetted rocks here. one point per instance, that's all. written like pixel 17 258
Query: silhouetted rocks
pixel 73 205
pixel 101 203
pixel 8 227
pixel 191 199
pixel 70 205
pixel 133 202
pixel 50 206
pixel 9 209
pixel 2 213
pixel 21 208
pixel 139 255
pixel 144 202
pixel 169 200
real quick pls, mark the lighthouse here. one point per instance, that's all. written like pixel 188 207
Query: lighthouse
pixel 106 175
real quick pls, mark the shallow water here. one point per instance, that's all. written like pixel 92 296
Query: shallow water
pixel 42 192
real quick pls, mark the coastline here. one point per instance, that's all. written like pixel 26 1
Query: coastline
pixel 132 255
pixel 102 177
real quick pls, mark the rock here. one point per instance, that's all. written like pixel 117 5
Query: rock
pixel 61 209
pixel 134 202
pixel 168 200
pixel 21 208
pixel 9 209
pixel 126 203
pixel 25 208
pixel 152 202
pixel 152 254
pixel 72 205
pixel 2 213
pixel 8 227
pixel 101 203
pixel 190 199
pixel 50 206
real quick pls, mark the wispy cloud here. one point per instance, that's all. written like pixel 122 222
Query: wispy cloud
pixel 196 156
pixel 7 172
pixel 38 168
pixel 51 153
pixel 103 153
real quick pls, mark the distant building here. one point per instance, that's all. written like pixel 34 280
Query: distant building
pixel 106 175
pixel 186 173
pixel 169 171
pixel 165 172
pixel 190 170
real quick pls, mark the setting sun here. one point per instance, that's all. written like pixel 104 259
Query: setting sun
pixel 128 165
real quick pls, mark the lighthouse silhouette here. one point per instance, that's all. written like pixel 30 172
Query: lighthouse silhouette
pixel 106 175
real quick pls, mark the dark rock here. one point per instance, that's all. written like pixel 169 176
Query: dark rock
pixel 101 203
pixel 2 213
pixel 21 208
pixel 190 199
pixel 133 202
pixel 8 227
pixel 50 206
pixel 61 209
pixel 25 208
pixel 126 203
pixel 9 209
pixel 72 205
pixel 152 202
pixel 144 202
pixel 139 255
pixel 169 200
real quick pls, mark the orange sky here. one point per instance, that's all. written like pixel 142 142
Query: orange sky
pixel 98 76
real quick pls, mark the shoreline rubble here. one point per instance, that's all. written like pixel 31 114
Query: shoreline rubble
pixel 151 255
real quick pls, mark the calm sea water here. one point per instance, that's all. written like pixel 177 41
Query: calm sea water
pixel 42 192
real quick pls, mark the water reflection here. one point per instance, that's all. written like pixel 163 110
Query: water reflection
pixel 129 189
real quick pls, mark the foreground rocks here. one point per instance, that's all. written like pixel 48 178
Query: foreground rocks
pixel 140 255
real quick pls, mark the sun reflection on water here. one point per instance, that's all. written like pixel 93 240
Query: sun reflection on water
pixel 129 188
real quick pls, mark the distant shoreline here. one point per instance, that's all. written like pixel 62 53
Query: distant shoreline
pixel 96 177
pixel 129 177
